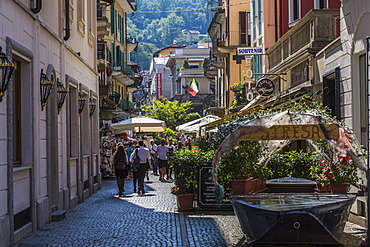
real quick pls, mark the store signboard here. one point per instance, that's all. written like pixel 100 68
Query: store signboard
pixel 249 51
pixel 159 84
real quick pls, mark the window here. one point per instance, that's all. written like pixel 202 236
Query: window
pixel 17 120
pixel 321 4
pixel 81 16
pixel 294 10
pixel 364 114
pixel 244 27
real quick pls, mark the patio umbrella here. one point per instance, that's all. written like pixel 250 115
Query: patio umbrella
pixel 194 126
pixel 139 124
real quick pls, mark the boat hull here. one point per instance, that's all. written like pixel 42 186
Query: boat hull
pixel 293 219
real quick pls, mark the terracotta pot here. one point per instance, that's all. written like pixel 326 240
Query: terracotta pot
pixel 185 202
pixel 339 188
pixel 109 71
pixel 221 43
pixel 243 186
pixel 323 188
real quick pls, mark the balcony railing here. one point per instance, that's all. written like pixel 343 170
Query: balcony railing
pixel 121 66
pixel 126 105
pixel 314 31
pixel 234 38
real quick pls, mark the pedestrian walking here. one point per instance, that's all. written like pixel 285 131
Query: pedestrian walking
pixel 121 167
pixel 153 150
pixel 144 156
pixel 171 150
pixel 162 159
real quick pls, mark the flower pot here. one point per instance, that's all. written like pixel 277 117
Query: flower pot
pixel 109 71
pixel 339 188
pixel 323 188
pixel 185 202
pixel 243 186
pixel 221 43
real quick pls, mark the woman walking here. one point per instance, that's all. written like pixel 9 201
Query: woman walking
pixel 121 167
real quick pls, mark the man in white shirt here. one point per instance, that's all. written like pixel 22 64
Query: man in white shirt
pixel 163 158
pixel 144 156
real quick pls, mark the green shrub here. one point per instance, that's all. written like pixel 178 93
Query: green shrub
pixel 185 164
pixel 293 164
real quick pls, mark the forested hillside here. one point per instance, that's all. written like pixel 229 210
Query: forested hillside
pixel 156 25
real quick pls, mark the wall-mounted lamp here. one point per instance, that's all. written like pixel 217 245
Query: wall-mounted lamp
pixel 81 102
pixel 62 94
pixel 7 69
pixel 45 87
pixel 92 106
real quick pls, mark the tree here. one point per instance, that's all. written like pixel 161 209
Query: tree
pixel 173 113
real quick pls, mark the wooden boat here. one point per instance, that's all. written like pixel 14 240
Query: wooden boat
pixel 293 219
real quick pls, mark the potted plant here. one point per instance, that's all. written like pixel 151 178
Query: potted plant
pixel 336 176
pixel 293 164
pixel 240 169
pixel 185 164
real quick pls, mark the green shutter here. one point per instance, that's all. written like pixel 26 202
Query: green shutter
pixel 112 18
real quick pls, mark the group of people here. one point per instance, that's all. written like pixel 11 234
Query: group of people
pixel 157 157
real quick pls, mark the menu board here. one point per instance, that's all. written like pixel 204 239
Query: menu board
pixel 207 198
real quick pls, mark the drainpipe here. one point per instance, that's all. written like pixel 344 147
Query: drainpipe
pixel 276 27
pixel 368 158
pixel 38 7
pixel 67 29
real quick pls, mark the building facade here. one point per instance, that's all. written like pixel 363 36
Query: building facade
pixel 118 76
pixel 49 155
pixel 186 65
pixel 342 82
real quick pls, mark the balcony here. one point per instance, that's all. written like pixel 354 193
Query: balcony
pixel 103 24
pixel 313 32
pixel 191 72
pixel 126 105
pixel 234 39
pixel 123 73
pixel 131 43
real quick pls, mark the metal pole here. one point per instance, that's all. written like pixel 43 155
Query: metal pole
pixel 368 161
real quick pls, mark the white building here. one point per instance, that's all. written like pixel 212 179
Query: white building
pixel 341 80
pixel 49 159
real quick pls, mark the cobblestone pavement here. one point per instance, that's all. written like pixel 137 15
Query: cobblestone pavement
pixel 151 219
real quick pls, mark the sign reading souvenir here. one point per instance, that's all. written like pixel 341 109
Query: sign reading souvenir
pixel 265 87
pixel 158 80
pixel 290 132
pixel 249 51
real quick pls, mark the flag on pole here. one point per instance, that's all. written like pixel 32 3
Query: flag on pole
pixel 193 90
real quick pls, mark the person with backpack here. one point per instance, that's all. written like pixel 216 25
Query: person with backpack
pixel 121 169
pixel 144 156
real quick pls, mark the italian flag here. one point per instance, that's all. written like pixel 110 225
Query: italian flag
pixel 193 90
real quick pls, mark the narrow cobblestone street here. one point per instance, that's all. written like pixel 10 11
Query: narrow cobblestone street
pixel 151 219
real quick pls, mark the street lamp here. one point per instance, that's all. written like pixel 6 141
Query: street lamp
pixel 7 69
pixel 92 106
pixel 45 87
pixel 81 102
pixel 62 94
